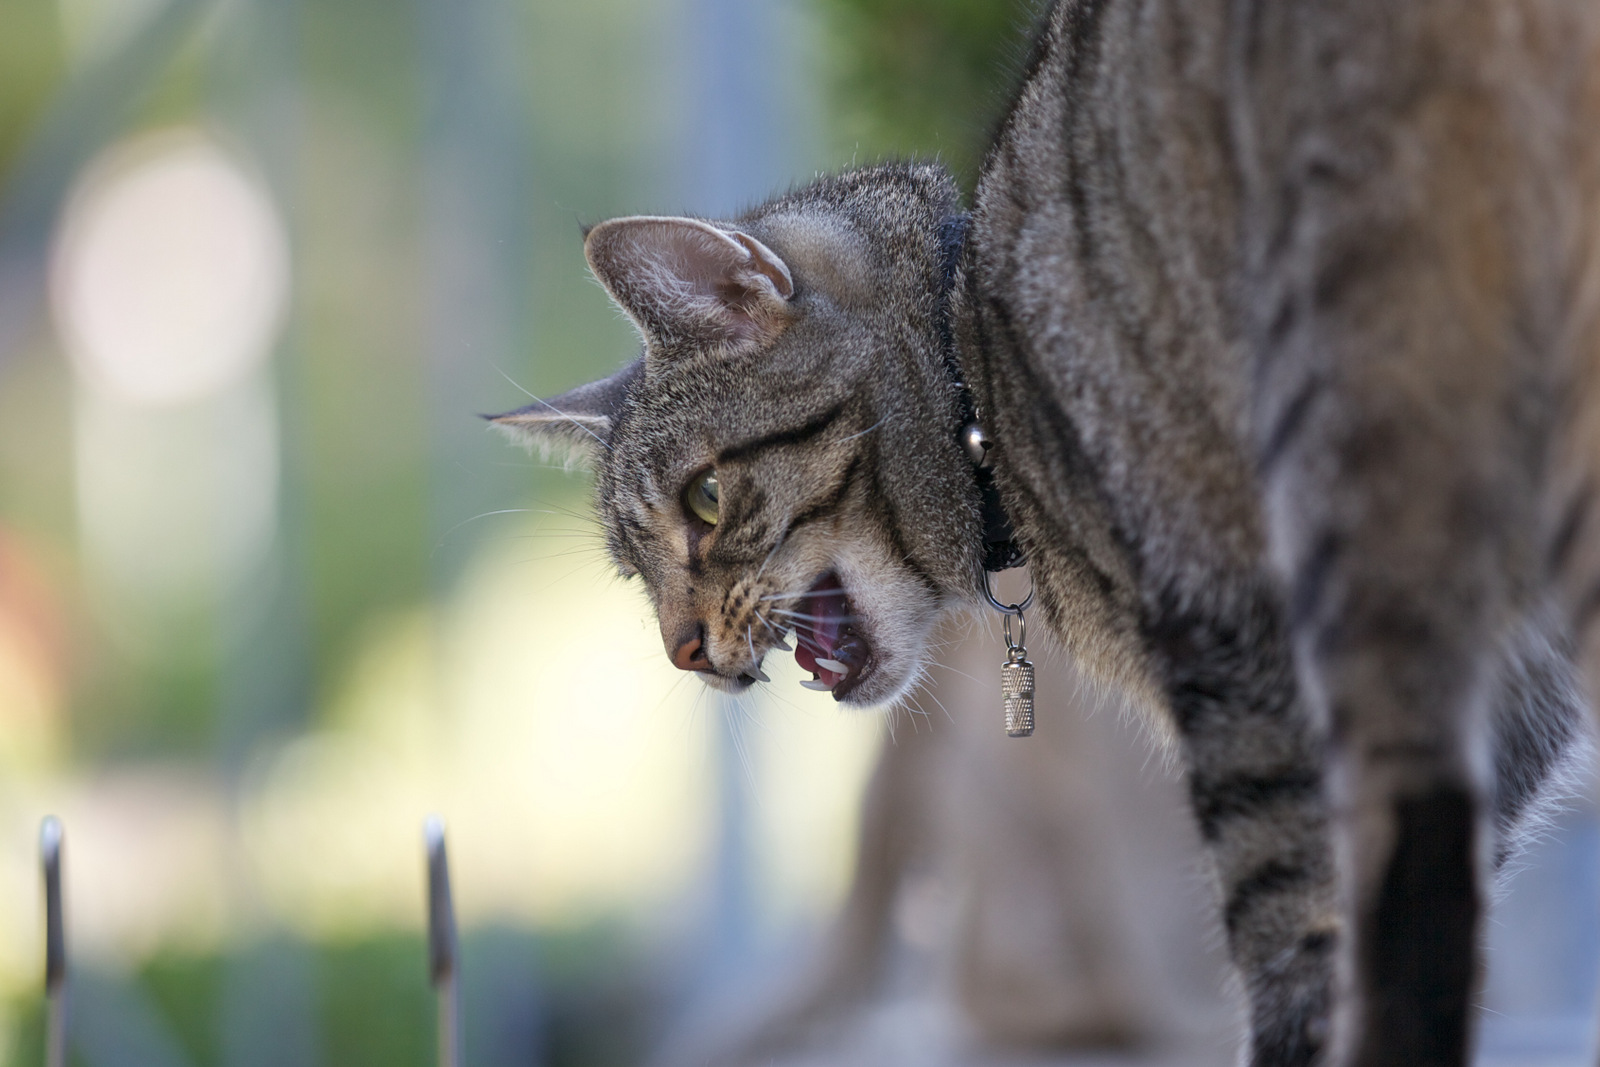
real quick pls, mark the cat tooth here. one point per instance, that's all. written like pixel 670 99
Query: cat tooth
pixel 816 683
pixel 833 665
pixel 782 646
pixel 758 674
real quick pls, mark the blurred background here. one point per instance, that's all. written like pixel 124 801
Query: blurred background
pixel 270 593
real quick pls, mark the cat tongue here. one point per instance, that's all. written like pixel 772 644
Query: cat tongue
pixel 824 612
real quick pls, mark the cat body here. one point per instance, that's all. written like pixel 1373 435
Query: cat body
pixel 1281 319
pixel 1284 385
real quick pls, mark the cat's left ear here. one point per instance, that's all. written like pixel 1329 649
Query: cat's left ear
pixel 578 422
pixel 686 282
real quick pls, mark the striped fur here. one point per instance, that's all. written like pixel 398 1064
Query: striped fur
pixel 1283 318
pixel 830 424
pixel 1303 287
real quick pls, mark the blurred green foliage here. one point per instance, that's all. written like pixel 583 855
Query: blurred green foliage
pixel 595 1007
pixel 31 66
pixel 922 77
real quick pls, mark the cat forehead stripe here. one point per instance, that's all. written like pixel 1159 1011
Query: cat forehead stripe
pixel 829 503
pixel 795 436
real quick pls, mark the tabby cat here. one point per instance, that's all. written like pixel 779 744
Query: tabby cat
pixel 1281 320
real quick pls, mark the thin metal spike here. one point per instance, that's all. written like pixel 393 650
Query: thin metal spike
pixel 55 944
pixel 443 948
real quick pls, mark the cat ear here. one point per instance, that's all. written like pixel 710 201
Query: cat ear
pixel 687 282
pixel 578 422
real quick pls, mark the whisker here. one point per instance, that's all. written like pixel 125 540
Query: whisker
pixel 864 433
pixel 796 596
pixel 593 552
pixel 958 670
pixel 748 706
pixel 784 536
pixel 815 618
pixel 514 383
pixel 737 738
pixel 586 517
pixel 484 515
pixel 911 711
pixel 540 400
pixel 548 535
pixel 530 465
pixel 773 693
pixel 934 697
pixel 775 631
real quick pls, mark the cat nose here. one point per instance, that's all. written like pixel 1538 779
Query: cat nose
pixel 691 653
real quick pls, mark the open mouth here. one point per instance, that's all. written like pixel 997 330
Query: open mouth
pixel 827 642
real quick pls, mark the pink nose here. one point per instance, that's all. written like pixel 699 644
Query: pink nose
pixel 691 655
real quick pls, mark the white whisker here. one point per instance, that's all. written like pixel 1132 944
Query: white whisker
pixel 540 400
pixel 779 544
pixel 796 596
pixel 814 618
pixel 481 515
pixel 934 697
pixel 863 433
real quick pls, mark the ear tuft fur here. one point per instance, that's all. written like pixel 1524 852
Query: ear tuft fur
pixel 689 284
pixel 577 424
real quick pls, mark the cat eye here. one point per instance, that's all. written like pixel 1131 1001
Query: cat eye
pixel 701 497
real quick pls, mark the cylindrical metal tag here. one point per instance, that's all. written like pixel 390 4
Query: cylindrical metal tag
pixel 1016 685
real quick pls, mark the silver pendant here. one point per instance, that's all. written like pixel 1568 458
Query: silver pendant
pixel 1016 682
pixel 1016 673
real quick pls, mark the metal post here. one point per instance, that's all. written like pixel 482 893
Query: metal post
pixel 442 947
pixel 55 945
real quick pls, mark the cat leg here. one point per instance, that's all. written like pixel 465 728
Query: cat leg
pixel 1254 773
pixel 1540 730
pixel 1404 253
pixel 1396 607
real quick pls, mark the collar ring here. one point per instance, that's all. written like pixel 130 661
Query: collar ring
pixel 1007 609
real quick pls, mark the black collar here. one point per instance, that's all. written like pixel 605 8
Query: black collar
pixel 1000 548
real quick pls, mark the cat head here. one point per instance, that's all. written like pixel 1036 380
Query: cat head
pixel 781 462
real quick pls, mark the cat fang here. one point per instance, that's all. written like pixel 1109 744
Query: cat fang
pixel 827 641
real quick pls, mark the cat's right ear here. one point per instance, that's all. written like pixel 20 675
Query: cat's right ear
pixel 689 284
pixel 576 424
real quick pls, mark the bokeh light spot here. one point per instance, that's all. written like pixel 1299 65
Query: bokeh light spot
pixel 170 270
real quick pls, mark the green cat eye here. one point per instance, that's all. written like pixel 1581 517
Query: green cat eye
pixel 701 497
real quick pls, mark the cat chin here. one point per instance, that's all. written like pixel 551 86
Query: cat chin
pixel 883 690
pixel 724 684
